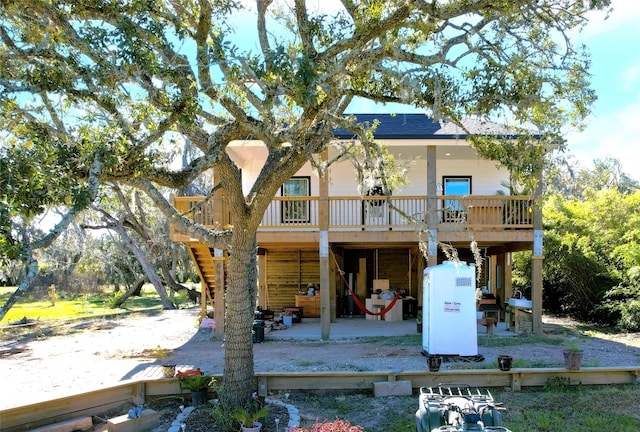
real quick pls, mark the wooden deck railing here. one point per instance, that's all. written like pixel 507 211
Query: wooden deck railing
pixel 347 213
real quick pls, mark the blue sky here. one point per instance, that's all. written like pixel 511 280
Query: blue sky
pixel 614 127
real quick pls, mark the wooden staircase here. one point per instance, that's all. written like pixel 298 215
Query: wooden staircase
pixel 203 259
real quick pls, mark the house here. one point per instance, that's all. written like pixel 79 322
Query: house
pixel 324 231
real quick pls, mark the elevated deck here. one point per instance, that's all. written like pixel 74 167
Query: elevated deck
pixel 490 219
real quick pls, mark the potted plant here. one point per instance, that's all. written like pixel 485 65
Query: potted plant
pixel 419 321
pixel 433 362
pixel 572 356
pixel 250 413
pixel 168 370
pixel 505 362
pixel 199 386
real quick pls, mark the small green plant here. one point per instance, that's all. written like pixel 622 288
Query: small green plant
pixel 159 352
pixel 573 346
pixel 223 417
pixel 251 412
pixel 198 382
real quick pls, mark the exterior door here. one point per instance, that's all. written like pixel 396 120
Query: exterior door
pixel 452 209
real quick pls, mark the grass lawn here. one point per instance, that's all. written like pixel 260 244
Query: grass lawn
pixel 577 408
pixel 554 408
pixel 94 305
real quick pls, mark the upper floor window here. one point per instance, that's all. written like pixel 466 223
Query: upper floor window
pixel 296 210
pixel 452 211
pixel 456 185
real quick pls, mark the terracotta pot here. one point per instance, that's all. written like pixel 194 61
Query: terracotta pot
pixel 434 362
pixel 505 362
pixel 572 359
pixel 168 371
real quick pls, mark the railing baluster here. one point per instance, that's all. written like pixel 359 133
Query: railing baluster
pixel 356 213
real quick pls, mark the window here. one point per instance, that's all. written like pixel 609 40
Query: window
pixel 296 210
pixel 455 185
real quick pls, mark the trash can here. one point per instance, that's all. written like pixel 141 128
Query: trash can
pixel 258 331
pixel 287 321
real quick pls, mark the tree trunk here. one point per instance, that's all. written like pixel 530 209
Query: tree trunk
pixel 139 225
pixel 136 287
pixel 240 299
pixel 142 259
pixel 25 286
pixel 168 275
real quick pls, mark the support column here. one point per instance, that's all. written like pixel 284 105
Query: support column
pixel 537 257
pixel 493 274
pixel 262 280
pixel 333 288
pixel 536 292
pixel 420 280
pixel 432 207
pixel 325 280
pixel 508 281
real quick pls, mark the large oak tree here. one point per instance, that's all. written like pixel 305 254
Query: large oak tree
pixel 114 82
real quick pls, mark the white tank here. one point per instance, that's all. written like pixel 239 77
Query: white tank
pixel 449 325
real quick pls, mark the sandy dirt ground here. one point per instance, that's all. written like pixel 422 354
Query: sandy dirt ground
pixel 83 356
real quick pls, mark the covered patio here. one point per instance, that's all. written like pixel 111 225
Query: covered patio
pixel 358 327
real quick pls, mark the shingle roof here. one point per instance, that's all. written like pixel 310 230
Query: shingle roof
pixel 421 126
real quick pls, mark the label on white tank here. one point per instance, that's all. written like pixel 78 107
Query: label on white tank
pixel 452 306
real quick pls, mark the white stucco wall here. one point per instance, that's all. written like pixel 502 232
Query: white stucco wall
pixel 485 175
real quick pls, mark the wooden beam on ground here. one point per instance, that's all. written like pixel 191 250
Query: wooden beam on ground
pixel 125 395
pixel 72 425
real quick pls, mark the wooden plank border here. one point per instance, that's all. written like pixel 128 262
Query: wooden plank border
pixel 132 393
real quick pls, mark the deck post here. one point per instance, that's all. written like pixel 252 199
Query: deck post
pixel 432 207
pixel 325 280
pixel 508 276
pixel 537 258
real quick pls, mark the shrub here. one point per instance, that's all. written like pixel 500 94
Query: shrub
pixel 630 316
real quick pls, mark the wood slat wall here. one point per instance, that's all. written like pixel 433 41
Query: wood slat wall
pixel 288 272
pixel 393 264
